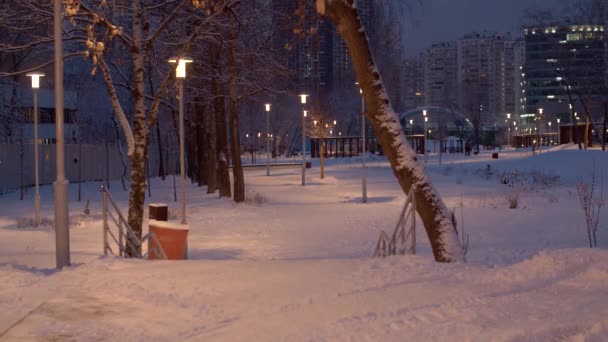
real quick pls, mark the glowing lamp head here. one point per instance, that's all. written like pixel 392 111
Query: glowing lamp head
pixel 540 111
pixel 549 123
pixel 314 122
pixel 267 106
pixel 180 71
pixel 424 112
pixel 259 134
pixel 303 98
pixel 411 122
pixel 247 135
pixel 558 120
pixel 35 79
pixel 305 113
pixel 426 119
pixel 508 116
pixel 335 122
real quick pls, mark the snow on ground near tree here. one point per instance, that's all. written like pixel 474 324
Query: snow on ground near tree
pixel 298 266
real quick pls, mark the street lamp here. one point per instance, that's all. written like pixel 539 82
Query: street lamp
pixel 364 148
pixel 411 127
pixel 303 102
pixel 426 119
pixel 35 85
pixel 559 132
pixel 62 218
pixel 267 106
pixel 180 75
pixel 508 130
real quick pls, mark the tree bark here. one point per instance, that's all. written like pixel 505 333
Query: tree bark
pixel 220 126
pixel 237 168
pixel 140 132
pixel 212 160
pixel 436 217
pixel 201 138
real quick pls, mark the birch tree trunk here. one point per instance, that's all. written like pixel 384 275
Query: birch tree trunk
pixel 237 168
pixel 220 125
pixel 434 214
pixel 201 138
pixel 140 132
pixel 212 160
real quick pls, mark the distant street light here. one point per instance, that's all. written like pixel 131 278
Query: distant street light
pixel 303 98
pixel 35 85
pixel 180 75
pixel 508 130
pixel 267 107
pixel 364 148
pixel 559 132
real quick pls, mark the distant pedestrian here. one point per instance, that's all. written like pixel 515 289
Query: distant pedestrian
pixel 467 149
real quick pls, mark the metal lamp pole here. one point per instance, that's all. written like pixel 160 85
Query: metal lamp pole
pixel 303 102
pixel 180 74
pixel 559 132
pixel 364 148
pixel 267 139
pixel 508 130
pixel 62 223
pixel 35 85
pixel 426 119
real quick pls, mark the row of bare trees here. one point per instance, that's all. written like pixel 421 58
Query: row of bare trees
pixel 127 43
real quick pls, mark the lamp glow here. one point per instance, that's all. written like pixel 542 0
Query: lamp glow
pixel 180 71
pixel 303 98
pixel 35 79
pixel 267 107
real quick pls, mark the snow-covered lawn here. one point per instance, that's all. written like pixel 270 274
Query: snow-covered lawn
pixel 297 267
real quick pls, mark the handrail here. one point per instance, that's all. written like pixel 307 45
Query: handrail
pixel 126 236
pixel 396 243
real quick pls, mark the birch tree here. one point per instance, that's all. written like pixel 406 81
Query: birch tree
pixel 435 216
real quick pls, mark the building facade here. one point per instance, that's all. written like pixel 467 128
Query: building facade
pixel 488 74
pixel 565 65
pixel 440 75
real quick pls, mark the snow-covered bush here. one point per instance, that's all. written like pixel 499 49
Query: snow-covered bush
pixel 513 199
pixel 255 198
pixel 30 222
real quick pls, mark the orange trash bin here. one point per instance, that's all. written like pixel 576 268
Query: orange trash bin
pixel 173 238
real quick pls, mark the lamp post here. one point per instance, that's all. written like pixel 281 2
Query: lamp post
pixel 180 74
pixel 303 102
pixel 508 130
pixel 571 123
pixel 364 149
pixel 411 127
pixel 267 106
pixel 426 119
pixel 550 131
pixel 559 132
pixel 35 86
pixel 62 229
pixel 540 115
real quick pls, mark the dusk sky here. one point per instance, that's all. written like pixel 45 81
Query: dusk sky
pixel 444 20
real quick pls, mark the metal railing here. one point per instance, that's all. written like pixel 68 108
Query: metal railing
pixel 122 235
pixel 396 243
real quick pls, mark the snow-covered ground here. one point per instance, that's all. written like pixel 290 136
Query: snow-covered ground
pixel 297 267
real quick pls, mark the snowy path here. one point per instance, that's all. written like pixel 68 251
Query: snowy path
pixel 297 268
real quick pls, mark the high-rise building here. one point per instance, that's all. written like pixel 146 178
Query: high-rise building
pixel 343 73
pixel 561 58
pixel 306 50
pixel 488 74
pixel 440 75
pixel 413 79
